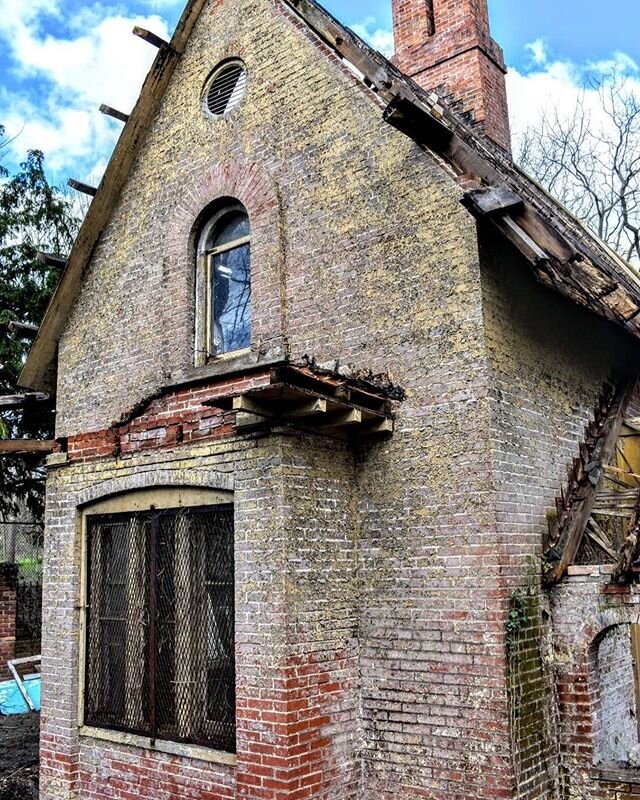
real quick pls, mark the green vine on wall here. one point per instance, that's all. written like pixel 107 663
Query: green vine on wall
pixel 516 618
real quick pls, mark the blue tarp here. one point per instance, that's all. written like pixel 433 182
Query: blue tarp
pixel 11 699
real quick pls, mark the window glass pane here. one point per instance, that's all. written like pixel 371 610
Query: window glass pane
pixel 231 291
pixel 233 226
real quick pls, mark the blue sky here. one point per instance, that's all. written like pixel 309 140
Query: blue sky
pixel 59 59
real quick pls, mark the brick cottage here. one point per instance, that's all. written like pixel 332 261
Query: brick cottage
pixel 322 354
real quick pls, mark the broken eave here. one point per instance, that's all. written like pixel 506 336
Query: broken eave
pixel 562 253
pixel 300 398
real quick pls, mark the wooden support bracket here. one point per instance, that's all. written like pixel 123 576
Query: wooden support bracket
pixel 309 409
pixel 82 187
pixel 247 405
pixel 351 417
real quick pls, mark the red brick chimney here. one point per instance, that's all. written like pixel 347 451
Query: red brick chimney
pixel 446 45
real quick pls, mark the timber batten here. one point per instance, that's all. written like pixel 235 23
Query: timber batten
pixel 576 504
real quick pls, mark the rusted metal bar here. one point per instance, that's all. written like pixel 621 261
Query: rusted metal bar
pixel 153 620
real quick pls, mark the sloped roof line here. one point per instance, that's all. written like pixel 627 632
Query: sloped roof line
pixel 562 253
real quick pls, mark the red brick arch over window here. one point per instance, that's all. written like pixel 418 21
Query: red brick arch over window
pixel 257 191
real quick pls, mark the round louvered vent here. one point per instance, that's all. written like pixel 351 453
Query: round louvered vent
pixel 225 89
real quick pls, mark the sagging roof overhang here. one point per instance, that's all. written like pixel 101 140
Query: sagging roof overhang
pixel 562 253
pixel 40 367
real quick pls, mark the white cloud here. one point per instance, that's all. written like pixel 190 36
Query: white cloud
pixel 379 38
pixel 558 84
pixel 538 50
pixel 159 4
pixel 66 78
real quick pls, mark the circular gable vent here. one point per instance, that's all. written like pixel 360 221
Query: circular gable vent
pixel 225 89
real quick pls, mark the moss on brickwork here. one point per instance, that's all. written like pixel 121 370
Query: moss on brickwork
pixel 528 685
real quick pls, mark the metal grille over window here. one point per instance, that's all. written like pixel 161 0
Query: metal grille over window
pixel 160 625
pixel 226 89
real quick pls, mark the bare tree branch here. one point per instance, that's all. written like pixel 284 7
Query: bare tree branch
pixel 591 162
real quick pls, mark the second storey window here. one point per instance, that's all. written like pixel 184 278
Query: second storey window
pixel 160 624
pixel 225 260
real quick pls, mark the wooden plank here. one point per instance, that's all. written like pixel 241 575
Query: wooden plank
pixel 495 200
pixel 577 524
pixel 53 260
pixel 23 330
pixel 12 401
pixel 622 472
pixel 25 446
pixel 592 533
pixel 521 239
pixel 635 652
pixel 308 409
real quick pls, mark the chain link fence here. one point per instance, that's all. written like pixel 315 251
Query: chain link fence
pixel 21 543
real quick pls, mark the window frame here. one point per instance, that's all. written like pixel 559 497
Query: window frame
pixel 142 500
pixel 204 316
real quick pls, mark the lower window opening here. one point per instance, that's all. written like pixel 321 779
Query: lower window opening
pixel 160 625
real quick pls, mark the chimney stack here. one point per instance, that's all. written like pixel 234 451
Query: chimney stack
pixel 445 45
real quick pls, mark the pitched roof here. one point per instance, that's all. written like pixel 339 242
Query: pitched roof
pixel 559 249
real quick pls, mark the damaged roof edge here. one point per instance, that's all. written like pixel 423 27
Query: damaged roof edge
pixel 39 369
pixel 562 253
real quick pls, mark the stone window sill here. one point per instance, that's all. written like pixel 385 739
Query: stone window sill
pixel 230 363
pixel 160 746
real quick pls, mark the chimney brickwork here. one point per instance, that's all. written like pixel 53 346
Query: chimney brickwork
pixel 445 45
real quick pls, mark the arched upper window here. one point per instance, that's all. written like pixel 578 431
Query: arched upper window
pixel 225 261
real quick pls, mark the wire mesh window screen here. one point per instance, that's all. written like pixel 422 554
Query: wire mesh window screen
pixel 160 625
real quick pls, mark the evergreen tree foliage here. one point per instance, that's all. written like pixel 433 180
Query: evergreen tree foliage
pixel 34 216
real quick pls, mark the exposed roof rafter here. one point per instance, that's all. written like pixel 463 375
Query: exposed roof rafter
pixel 563 254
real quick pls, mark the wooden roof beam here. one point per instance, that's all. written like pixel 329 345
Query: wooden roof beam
pixel 82 187
pixel 23 330
pixel 52 260
pixel 151 38
pixel 113 112
pixel 22 447
pixel 13 401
